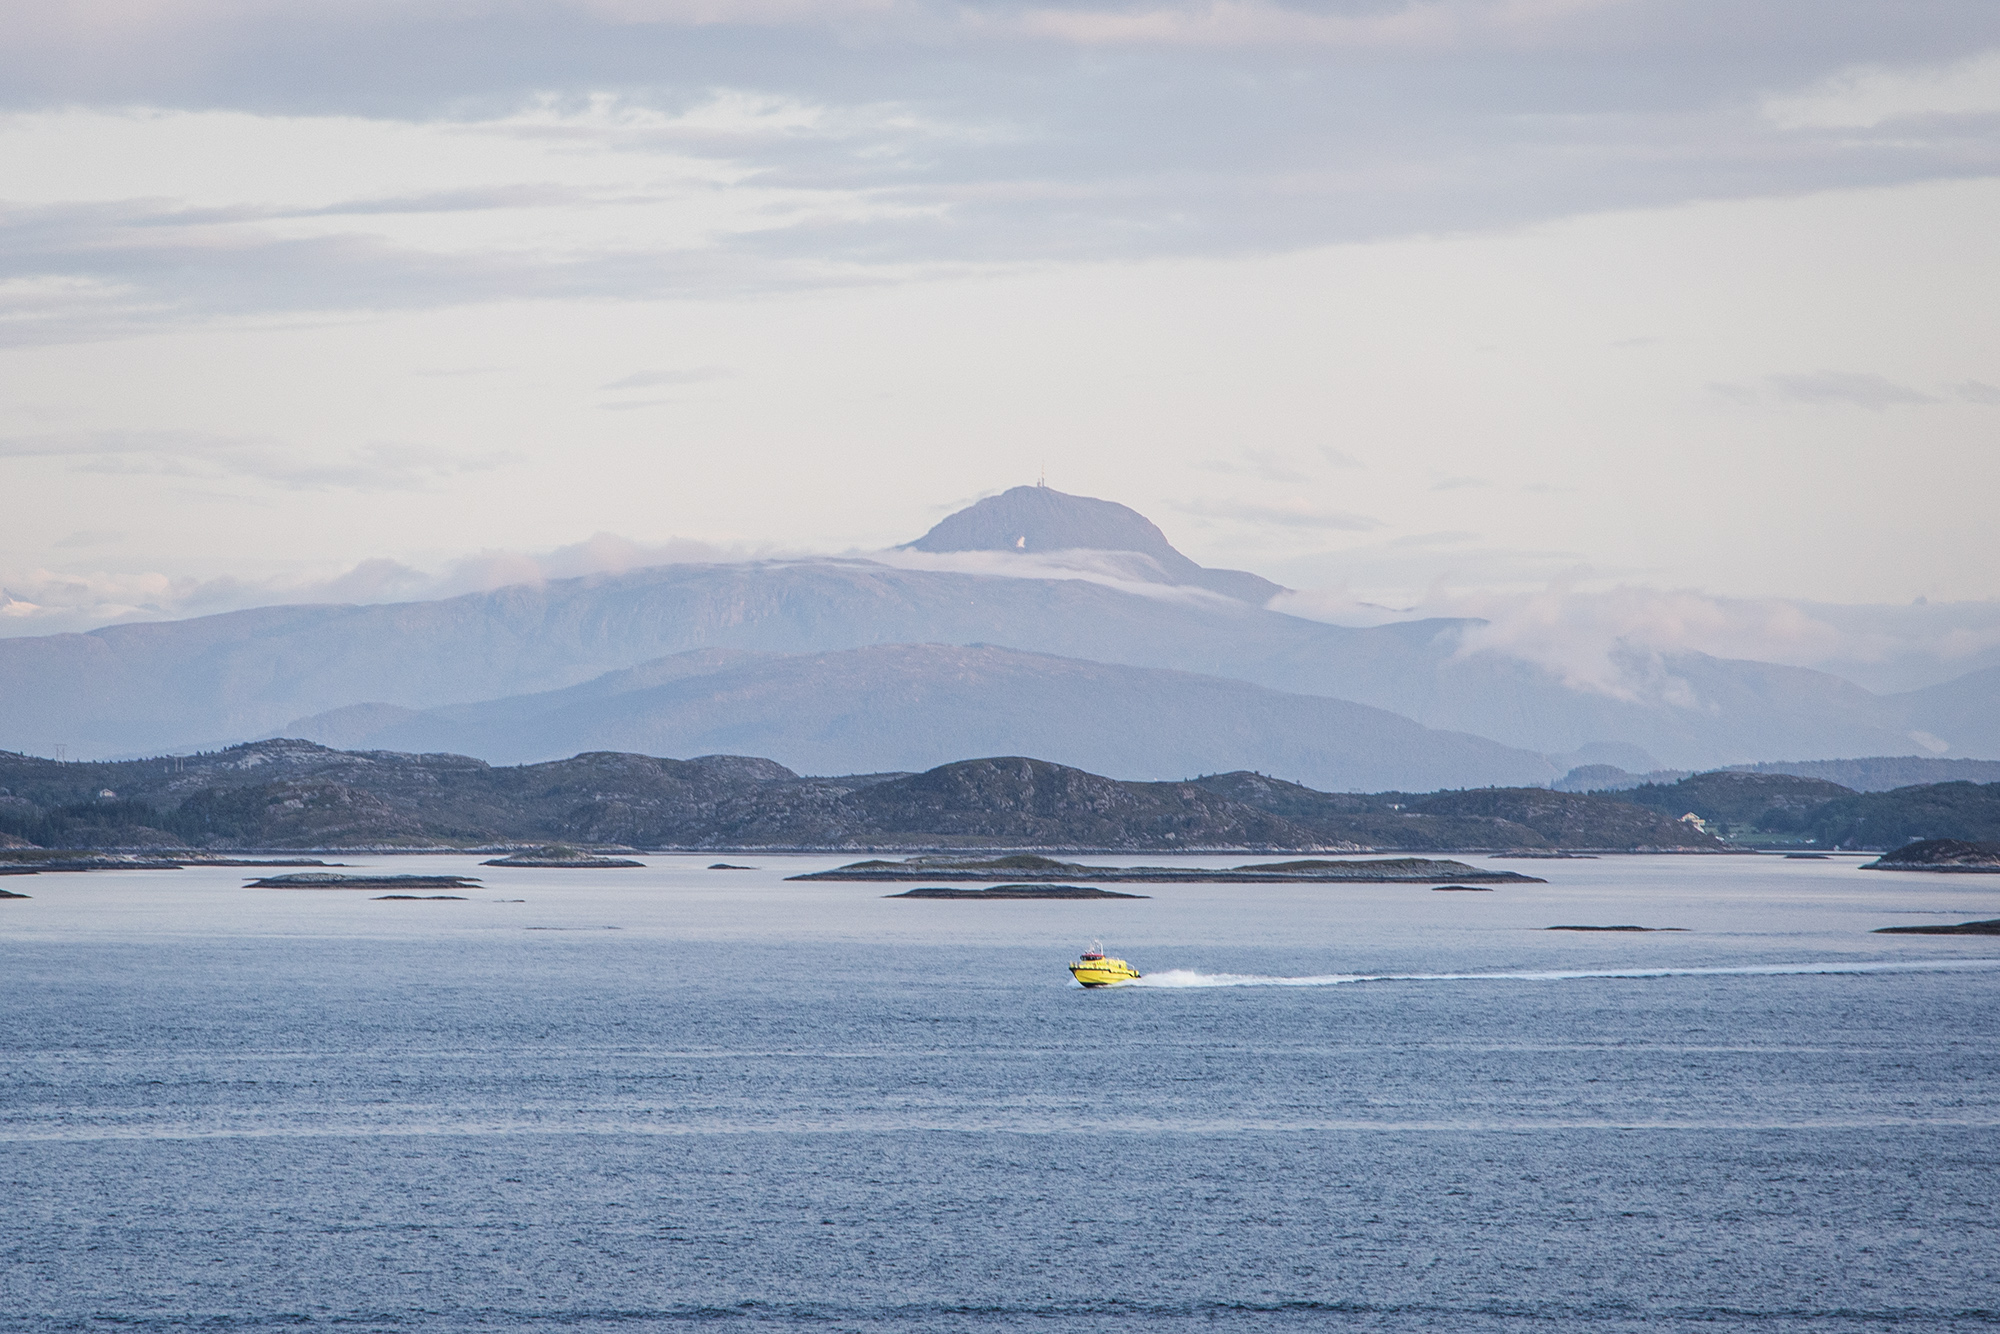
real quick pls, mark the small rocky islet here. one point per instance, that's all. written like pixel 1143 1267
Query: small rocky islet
pixel 330 880
pixel 1015 892
pixel 1032 867
pixel 33 861
pixel 562 856
pixel 1614 928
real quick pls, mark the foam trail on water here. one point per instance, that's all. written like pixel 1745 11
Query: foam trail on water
pixel 1182 977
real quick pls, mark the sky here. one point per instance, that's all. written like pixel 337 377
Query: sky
pixel 1608 317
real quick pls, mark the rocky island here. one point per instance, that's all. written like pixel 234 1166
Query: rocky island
pixel 1940 854
pixel 31 861
pixel 1028 866
pixel 1614 928
pixel 328 880
pixel 1016 892
pixel 561 854
pixel 1987 928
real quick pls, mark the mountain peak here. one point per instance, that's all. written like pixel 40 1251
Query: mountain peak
pixel 1040 518
pixel 1036 519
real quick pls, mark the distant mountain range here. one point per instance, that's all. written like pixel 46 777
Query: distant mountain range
pixel 1032 622
pixel 913 706
pixel 1873 773
pixel 1884 773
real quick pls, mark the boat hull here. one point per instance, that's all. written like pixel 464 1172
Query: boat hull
pixel 1103 973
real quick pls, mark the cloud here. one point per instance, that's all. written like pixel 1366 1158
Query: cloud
pixel 1436 25
pixel 602 553
pixel 119 36
pixel 36 601
pixel 470 200
pixel 600 199
pixel 1621 640
pixel 1846 389
pixel 1850 389
pixel 79 274
pixel 458 372
pixel 376 580
pixel 1449 538
pixel 1286 516
pixel 655 379
pixel 1264 464
pixel 1461 484
pixel 1977 391
pixel 91 537
pixel 1126 571
pixel 749 13
pixel 381 466
pixel 1867 96
pixel 762 145
pixel 39 601
pixel 1617 642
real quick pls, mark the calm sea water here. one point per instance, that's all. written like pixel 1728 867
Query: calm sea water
pixel 680 1098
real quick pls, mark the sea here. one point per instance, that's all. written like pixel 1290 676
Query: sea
pixel 687 1098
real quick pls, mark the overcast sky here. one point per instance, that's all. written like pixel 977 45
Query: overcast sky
pixel 1412 303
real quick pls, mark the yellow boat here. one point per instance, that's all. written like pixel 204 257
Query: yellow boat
pixel 1094 970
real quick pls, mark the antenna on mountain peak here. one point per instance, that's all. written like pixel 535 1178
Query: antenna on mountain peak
pixel 1042 479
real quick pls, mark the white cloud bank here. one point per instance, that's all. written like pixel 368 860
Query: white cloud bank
pixel 1616 640
pixel 115 222
pixel 43 601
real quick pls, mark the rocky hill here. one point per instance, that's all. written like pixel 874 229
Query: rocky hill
pixel 1812 811
pixel 1497 819
pixel 287 794
pixel 1968 811
pixel 1737 802
pixel 294 794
